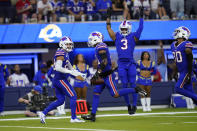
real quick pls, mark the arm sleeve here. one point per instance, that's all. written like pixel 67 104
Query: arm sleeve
pixel 140 28
pixel 58 67
pixel 70 67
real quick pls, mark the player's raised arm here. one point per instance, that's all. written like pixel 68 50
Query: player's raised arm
pixel 141 25
pixel 110 31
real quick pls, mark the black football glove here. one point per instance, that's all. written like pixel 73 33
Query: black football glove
pixel 109 12
pixel 141 11
pixel 95 77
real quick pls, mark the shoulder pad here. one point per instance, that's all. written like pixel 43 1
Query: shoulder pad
pixel 101 45
pixel 60 53
pixel 188 44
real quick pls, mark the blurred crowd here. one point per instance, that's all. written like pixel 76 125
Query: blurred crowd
pixel 44 11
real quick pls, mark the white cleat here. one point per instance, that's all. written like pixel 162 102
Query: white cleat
pixel 145 109
pixel 42 118
pixel 149 109
pixel 76 120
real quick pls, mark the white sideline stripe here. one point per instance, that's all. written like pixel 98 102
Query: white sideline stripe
pixel 106 115
pixel 52 128
pixel 100 109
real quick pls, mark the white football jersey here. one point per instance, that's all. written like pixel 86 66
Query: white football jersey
pixel 18 80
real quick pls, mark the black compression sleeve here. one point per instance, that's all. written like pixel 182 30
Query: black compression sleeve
pixel 104 60
pixel 190 62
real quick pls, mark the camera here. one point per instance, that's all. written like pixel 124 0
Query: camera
pixel 40 101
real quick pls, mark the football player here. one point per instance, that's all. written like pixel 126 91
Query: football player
pixel 62 70
pixel 183 57
pixel 125 42
pixel 104 72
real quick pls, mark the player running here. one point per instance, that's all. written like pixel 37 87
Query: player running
pixel 182 52
pixel 125 42
pixel 105 72
pixel 62 70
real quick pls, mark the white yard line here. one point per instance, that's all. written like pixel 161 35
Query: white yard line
pixel 172 116
pixel 190 122
pixel 166 123
pixel 52 128
pixel 106 115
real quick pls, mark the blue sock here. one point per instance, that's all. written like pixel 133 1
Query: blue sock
pixel 135 96
pixel 95 103
pixel 126 96
pixel 187 93
pixel 73 106
pixel 54 105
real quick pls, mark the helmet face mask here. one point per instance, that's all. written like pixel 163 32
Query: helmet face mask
pixel 125 28
pixel 181 32
pixel 66 43
pixel 124 31
pixel 95 38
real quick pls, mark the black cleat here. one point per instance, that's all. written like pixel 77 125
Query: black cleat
pixel 129 110
pixel 195 102
pixel 140 91
pixel 133 110
pixel 91 117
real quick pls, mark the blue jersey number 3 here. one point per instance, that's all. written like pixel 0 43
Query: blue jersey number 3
pixel 125 44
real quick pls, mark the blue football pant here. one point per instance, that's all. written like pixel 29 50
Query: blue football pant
pixel 62 88
pixel 127 73
pixel 111 86
pixel 184 88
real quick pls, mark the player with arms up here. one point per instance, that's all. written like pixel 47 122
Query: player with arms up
pixel 125 42
pixel 183 57
pixel 62 70
pixel 104 72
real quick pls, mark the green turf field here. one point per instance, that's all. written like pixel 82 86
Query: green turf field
pixel 162 120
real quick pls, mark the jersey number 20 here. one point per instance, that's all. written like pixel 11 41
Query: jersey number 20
pixel 125 44
pixel 177 56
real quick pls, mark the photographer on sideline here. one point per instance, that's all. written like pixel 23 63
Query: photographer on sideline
pixel 35 101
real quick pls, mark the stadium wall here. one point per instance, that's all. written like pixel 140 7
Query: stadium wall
pixel 161 95
pixel 79 32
